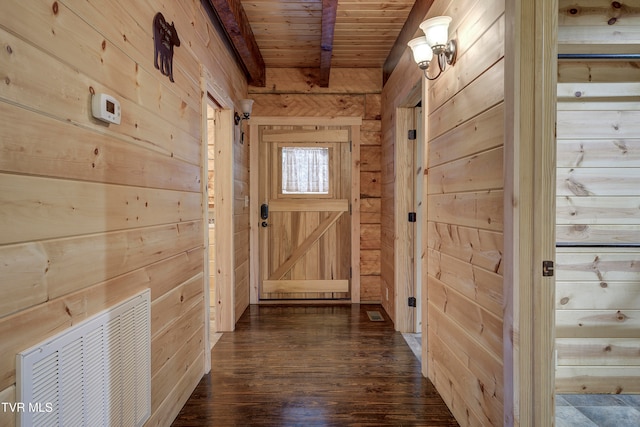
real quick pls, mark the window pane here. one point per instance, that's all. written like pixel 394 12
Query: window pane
pixel 305 170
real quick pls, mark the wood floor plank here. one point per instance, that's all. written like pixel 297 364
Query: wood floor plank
pixel 314 366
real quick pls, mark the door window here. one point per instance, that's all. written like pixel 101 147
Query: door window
pixel 305 170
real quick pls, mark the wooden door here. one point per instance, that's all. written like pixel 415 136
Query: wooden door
pixel 305 227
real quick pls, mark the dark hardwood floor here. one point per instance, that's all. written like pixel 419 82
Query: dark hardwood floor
pixel 314 366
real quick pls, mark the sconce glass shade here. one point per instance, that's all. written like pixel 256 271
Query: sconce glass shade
pixel 422 52
pixel 436 31
pixel 246 105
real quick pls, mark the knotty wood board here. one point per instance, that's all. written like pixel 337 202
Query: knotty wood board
pixel 598 124
pixel 476 210
pixel 370 261
pixel 479 247
pixel 598 264
pixel 483 93
pixel 598 295
pixel 180 361
pixel 179 394
pixel 485 327
pixel 166 342
pixel 481 286
pixel 331 205
pixel 303 80
pixel 45 208
pixel 598 234
pixel 478 52
pixel 598 352
pixel 596 27
pixel 487 407
pixel 481 133
pixel 613 210
pixel 607 379
pixel 479 172
pixel 610 323
pixel 609 181
pixel 185 298
pixel 624 152
pixel 305 286
pixel 52 268
pixel 32 145
pixel 601 71
pixel 487 368
pixel 341 105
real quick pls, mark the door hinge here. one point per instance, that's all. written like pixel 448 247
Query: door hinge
pixel 350 273
pixel 350 209
pixel 547 268
pixel 350 145
pixel 413 134
pixel 412 217
pixel 412 301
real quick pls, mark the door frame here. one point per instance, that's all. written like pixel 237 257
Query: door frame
pixel 405 282
pixel 224 271
pixel 254 202
pixel 529 211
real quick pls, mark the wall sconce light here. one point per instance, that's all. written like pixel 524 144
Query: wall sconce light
pixel 245 105
pixel 434 43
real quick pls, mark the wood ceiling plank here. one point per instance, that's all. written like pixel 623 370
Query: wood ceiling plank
pixel 363 29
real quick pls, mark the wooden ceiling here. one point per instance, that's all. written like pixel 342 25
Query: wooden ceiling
pixel 316 33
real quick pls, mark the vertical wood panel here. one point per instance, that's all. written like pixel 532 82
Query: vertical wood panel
pixel 404 230
pixel 531 75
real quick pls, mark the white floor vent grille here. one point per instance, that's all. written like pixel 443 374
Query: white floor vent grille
pixel 97 373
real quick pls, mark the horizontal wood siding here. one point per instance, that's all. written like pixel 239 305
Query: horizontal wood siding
pixel 93 213
pixel 353 93
pixel 598 194
pixel 465 215
pixel 464 210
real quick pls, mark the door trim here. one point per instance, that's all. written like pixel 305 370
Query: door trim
pixel 210 93
pixel 254 206
pixel 529 205
pixel 404 263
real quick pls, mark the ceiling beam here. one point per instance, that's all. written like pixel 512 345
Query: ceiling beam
pixel 329 12
pixel 411 25
pixel 234 20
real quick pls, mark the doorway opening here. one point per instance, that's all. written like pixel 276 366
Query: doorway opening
pixel 598 243
pixel 210 215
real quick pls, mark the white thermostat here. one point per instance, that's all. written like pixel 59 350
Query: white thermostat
pixel 106 108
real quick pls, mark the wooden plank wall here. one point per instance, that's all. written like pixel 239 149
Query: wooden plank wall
pixel 597 288
pixel 598 193
pixel 464 181
pixel 91 214
pixel 351 93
